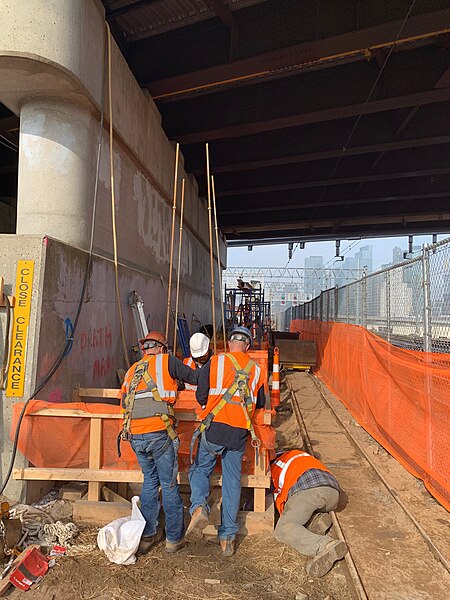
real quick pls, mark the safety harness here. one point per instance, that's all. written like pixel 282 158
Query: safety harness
pixel 240 385
pixel 155 406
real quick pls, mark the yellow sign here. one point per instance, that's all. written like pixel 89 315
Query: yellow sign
pixel 18 352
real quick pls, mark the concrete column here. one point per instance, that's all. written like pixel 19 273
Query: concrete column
pixel 57 154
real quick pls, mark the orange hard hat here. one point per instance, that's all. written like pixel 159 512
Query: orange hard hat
pixel 155 336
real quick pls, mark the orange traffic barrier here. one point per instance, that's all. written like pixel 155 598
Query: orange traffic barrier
pixel 275 396
pixel 401 397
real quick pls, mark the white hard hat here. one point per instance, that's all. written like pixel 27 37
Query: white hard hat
pixel 199 345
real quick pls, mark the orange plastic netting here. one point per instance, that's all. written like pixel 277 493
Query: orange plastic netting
pixel 61 442
pixel 401 397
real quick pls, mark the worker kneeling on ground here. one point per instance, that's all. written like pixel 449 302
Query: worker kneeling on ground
pixel 305 491
pixel 230 386
pixel 200 354
pixel 148 393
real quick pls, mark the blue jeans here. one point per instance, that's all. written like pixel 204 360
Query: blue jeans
pixel 199 475
pixel 158 469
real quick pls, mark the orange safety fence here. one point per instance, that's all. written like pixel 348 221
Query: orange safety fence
pixel 63 442
pixel 401 397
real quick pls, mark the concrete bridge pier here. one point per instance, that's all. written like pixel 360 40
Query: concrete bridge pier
pixel 56 170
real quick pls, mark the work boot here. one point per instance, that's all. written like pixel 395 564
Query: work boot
pixel 325 559
pixel 320 523
pixel 228 547
pixel 199 521
pixel 172 547
pixel 149 541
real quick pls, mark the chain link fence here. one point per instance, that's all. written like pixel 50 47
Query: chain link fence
pixel 408 304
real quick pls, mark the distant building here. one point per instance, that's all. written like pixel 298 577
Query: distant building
pixel 364 258
pixel 397 255
pixel 313 276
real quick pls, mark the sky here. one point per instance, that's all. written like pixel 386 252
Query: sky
pixel 277 255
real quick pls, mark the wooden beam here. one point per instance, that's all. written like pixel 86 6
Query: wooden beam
pixel 99 392
pixel 181 415
pixel 95 452
pixel 332 51
pixel 99 513
pixel 250 523
pixel 111 496
pixel 118 475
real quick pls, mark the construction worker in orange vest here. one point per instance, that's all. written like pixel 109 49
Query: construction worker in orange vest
pixel 305 491
pixel 230 386
pixel 148 394
pixel 200 354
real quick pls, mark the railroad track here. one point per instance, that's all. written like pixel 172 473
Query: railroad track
pixel 353 575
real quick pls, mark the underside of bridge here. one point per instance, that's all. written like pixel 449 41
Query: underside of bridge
pixel 325 119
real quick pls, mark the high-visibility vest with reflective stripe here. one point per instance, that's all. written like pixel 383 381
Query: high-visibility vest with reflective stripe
pixel 221 378
pixel 287 469
pixel 158 369
pixel 190 362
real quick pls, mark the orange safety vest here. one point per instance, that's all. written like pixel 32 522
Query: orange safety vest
pixel 287 469
pixel 221 378
pixel 190 362
pixel 158 369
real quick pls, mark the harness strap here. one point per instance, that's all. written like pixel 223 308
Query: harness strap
pixel 240 385
pixel 141 373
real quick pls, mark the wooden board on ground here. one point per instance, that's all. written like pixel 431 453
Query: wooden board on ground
pixel 72 491
pixel 111 496
pixel 99 513
pixel 250 523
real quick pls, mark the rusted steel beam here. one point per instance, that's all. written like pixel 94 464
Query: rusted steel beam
pixel 338 181
pixel 323 155
pixel 318 116
pixel 356 45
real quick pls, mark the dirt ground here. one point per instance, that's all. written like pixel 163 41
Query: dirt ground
pixel 392 558
pixel 262 569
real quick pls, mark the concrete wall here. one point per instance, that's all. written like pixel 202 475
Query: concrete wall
pixel 12 249
pixel 51 74
pixel 51 57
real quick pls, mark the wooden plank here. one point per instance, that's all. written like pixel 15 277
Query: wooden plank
pixel 111 496
pixel 259 500
pixel 115 475
pixel 95 455
pixel 250 523
pixel 75 490
pixel 181 415
pixel 74 412
pixel 99 392
pixel 99 513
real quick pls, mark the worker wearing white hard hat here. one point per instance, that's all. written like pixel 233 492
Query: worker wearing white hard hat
pixel 200 354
